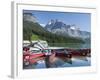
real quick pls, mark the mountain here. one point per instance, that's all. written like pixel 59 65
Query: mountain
pixel 29 17
pixel 60 28
pixel 32 30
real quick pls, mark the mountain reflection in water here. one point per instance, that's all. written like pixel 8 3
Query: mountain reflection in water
pixel 74 62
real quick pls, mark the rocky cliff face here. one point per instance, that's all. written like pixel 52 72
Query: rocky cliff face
pixel 29 17
pixel 60 28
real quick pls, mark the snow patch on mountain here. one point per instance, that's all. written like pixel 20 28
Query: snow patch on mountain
pixel 60 28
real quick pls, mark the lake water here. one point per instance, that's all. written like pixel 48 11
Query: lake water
pixel 71 45
pixel 60 63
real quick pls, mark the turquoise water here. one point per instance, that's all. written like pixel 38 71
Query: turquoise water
pixel 71 45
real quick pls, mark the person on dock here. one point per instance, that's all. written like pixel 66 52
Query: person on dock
pixel 47 59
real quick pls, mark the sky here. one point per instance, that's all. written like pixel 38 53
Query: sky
pixel 81 20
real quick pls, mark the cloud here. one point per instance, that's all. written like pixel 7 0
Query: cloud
pixel 43 25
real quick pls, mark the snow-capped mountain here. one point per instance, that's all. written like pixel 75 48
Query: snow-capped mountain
pixel 60 28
